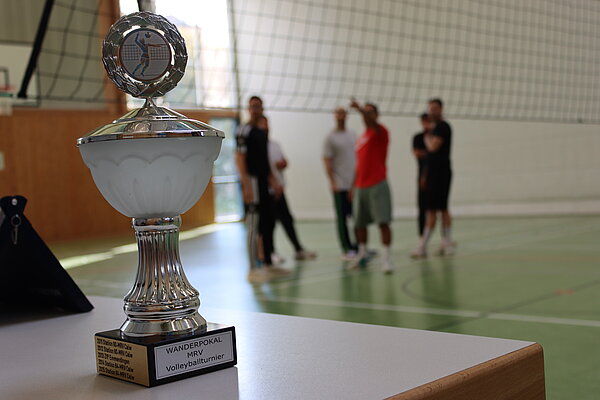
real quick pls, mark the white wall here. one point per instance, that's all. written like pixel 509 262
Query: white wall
pixel 501 60
pixel 500 168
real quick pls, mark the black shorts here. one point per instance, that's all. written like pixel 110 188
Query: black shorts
pixel 438 190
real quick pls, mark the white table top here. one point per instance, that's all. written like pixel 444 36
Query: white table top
pixel 279 357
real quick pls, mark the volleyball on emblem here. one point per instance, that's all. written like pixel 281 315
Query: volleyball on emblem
pixel 145 54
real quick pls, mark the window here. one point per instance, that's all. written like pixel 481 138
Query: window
pixel 208 81
pixel 228 199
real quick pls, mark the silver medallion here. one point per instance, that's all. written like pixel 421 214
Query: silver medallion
pixel 144 54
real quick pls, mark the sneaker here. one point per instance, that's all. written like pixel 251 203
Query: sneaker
pixel 446 248
pixel 387 267
pixel 358 262
pixel 350 255
pixel 305 255
pixel 259 275
pixel 277 259
pixel 276 271
pixel 418 253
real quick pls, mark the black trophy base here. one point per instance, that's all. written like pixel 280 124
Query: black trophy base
pixel 156 360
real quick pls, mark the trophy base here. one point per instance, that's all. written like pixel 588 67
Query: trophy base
pixel 156 360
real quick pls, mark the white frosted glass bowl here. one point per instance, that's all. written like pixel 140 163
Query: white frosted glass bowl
pixel 152 177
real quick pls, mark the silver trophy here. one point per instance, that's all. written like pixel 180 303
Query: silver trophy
pixel 152 165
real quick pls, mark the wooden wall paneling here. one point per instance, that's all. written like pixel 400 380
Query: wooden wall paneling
pixel 44 165
pixel 7 182
pixel 95 217
pixel 203 212
pixel 63 200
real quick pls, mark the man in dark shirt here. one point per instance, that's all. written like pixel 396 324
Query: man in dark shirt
pixel 438 177
pixel 420 152
pixel 252 160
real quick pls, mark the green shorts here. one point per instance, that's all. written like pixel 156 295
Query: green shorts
pixel 372 204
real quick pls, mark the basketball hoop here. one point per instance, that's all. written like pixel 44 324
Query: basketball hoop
pixel 6 100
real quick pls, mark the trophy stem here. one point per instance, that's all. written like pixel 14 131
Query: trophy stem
pixel 162 301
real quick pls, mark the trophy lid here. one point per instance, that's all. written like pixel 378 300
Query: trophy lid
pixel 145 55
pixel 150 121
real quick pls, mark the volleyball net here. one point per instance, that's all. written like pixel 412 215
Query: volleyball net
pixel 491 59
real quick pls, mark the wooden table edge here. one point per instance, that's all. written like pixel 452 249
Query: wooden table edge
pixel 516 375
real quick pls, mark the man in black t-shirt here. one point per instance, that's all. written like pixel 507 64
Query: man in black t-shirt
pixel 252 160
pixel 420 152
pixel 438 178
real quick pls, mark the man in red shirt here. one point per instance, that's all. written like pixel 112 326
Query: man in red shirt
pixel 372 198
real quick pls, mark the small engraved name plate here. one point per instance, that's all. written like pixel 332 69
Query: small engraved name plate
pixel 194 354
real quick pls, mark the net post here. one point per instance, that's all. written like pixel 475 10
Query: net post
pixel 37 48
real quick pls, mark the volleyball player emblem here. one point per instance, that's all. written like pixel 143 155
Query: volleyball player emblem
pixel 145 54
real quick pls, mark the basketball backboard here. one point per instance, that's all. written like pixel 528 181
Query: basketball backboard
pixel 13 63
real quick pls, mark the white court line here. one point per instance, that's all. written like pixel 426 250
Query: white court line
pixel 544 320
pixel 329 274
pixel 396 308
pixel 77 261
pixel 97 284
pixel 556 232
pixel 436 311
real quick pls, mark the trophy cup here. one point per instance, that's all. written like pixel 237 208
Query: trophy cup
pixel 152 165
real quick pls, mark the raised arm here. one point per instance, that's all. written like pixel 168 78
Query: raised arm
pixel 138 42
pixel 369 121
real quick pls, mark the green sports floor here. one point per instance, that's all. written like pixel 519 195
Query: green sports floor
pixel 535 279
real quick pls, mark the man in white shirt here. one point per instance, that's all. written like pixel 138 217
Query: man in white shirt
pixel 278 163
pixel 340 164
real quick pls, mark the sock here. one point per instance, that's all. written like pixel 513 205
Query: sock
pixel 362 250
pixel 387 255
pixel 425 238
pixel 446 230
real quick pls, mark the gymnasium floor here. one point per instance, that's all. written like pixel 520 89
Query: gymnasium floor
pixel 535 279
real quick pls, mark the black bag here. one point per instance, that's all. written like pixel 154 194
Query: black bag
pixel 30 275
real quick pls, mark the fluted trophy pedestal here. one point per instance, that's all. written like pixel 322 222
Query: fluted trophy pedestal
pixel 162 299
pixel 152 165
pixel 164 338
